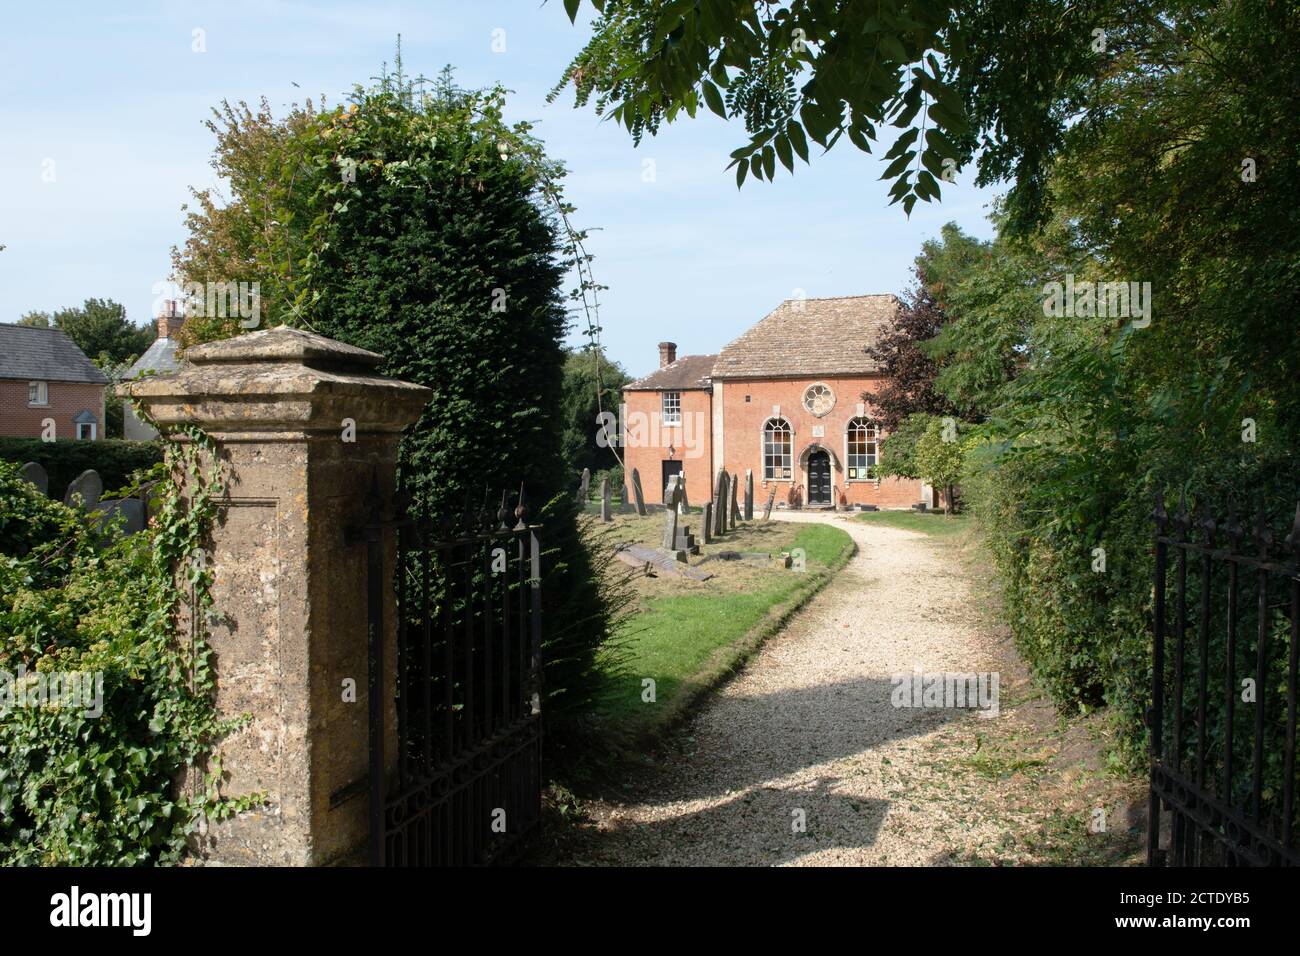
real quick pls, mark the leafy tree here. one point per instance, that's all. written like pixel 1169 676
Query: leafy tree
pixel 101 330
pixel 909 371
pixel 418 224
pixel 898 449
pixel 584 380
pixel 1001 79
pixel 939 457
pixel 34 319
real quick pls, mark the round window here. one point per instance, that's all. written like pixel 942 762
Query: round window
pixel 819 399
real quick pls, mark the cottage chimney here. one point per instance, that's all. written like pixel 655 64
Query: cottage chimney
pixel 170 320
pixel 667 353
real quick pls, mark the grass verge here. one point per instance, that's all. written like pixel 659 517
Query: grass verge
pixel 934 523
pixel 688 642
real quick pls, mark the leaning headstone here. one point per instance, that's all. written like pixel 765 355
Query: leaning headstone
pixel 685 506
pixel 34 472
pixel 749 494
pixel 636 490
pixel 604 499
pixel 767 512
pixel 735 507
pixel 707 526
pixel 623 506
pixel 584 487
pixel 88 486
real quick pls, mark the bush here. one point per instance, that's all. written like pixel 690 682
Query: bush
pixel 444 252
pixel 63 460
pixel 94 783
pixel 615 476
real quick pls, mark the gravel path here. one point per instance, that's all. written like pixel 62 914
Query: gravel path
pixel 806 729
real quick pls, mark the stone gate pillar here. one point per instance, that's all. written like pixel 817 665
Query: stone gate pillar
pixel 303 425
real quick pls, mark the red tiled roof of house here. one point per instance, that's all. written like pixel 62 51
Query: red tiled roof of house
pixel 810 337
pixel 687 373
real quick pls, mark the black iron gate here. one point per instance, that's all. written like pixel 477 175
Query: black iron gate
pixel 463 785
pixel 1223 714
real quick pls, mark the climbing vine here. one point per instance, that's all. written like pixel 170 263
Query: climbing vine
pixel 92 781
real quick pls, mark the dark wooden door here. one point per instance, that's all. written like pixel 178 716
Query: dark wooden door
pixel 819 478
pixel 670 468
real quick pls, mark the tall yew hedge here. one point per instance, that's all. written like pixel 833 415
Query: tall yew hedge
pixel 418 224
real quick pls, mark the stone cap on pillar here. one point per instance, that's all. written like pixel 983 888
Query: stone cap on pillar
pixel 279 380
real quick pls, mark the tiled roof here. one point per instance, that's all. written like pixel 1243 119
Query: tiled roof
pixel 159 358
pixel 688 372
pixel 44 355
pixel 810 337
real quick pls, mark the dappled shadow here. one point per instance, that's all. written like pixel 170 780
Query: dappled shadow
pixel 725 789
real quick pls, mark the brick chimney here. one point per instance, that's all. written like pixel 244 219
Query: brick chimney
pixel 170 320
pixel 667 353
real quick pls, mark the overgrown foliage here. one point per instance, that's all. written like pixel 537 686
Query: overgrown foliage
pixel 415 222
pixel 92 781
pixel 1174 176
pixel 65 459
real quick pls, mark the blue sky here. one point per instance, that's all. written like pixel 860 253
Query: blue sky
pixel 111 100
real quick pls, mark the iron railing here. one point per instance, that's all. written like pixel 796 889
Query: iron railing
pixel 463 784
pixel 1223 715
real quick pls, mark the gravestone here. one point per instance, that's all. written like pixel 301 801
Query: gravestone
pixel 767 512
pixel 720 505
pixel 584 488
pixel 670 515
pixel 88 486
pixel 677 538
pixel 636 490
pixel 735 507
pixel 685 505
pixel 749 494
pixel 708 522
pixel 623 506
pixel 131 509
pixel 34 472
pixel 604 499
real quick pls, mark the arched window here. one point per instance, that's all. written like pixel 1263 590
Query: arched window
pixel 778 444
pixel 861 461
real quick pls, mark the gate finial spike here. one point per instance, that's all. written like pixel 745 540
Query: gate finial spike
pixel 1182 520
pixel 503 513
pixel 1159 515
pixel 1293 539
pixel 1233 526
pixel 1263 536
pixel 521 509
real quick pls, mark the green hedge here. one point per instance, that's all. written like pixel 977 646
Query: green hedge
pixel 64 460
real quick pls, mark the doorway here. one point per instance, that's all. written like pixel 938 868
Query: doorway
pixel 670 468
pixel 819 478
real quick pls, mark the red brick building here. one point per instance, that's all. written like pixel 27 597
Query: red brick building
pixel 45 378
pixel 790 400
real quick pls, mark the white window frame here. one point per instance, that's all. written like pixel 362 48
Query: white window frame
pixel 670 408
pixel 864 463
pixel 94 431
pixel 777 465
pixel 42 390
